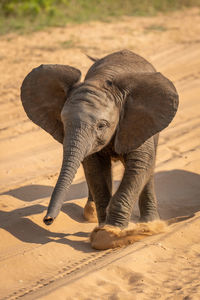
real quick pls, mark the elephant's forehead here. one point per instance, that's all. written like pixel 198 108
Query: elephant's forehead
pixel 89 104
pixel 88 93
pixel 90 98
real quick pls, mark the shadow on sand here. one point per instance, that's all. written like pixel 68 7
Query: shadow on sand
pixel 33 192
pixel 177 192
pixel 26 230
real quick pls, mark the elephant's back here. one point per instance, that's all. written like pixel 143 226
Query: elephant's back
pixel 117 63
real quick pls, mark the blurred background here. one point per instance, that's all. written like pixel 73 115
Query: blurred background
pixel 30 15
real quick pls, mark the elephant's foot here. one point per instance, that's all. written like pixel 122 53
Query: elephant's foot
pixel 107 236
pixel 90 213
pixel 149 217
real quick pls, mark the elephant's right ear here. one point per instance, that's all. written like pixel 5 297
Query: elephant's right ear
pixel 43 94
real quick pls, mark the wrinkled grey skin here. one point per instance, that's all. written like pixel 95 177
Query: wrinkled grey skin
pixel 115 113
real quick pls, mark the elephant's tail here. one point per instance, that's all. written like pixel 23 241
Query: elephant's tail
pixel 92 58
pixel 106 237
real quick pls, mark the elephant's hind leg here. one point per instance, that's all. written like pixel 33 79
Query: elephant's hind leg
pixel 89 211
pixel 148 202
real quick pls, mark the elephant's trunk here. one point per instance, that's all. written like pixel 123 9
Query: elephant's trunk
pixel 75 148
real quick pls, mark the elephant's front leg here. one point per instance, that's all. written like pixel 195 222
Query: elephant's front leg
pixel 148 202
pixel 139 165
pixel 97 169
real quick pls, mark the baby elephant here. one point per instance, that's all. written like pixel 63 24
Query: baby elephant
pixel 116 113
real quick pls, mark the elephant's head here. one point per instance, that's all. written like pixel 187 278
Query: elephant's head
pixel 130 108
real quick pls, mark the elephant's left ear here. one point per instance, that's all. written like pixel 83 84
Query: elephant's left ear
pixel 150 104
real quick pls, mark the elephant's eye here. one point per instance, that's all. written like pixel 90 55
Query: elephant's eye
pixel 102 124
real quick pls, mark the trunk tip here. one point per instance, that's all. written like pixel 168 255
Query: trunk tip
pixel 48 220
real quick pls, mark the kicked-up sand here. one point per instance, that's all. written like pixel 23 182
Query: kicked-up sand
pixel 57 262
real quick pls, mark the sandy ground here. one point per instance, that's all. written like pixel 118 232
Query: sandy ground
pixel 57 262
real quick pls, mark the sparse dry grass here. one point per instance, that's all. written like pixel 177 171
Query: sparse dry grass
pixel 31 15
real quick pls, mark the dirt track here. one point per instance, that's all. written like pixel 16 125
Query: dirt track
pixel 31 254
